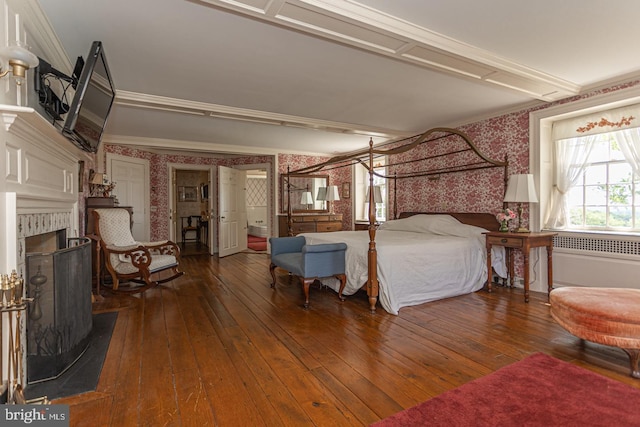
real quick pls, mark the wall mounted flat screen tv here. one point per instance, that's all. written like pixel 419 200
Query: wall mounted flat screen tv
pixel 84 123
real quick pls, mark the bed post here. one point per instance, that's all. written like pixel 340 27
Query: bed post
pixel 372 256
pixel 506 180
pixel 289 211
pixel 395 195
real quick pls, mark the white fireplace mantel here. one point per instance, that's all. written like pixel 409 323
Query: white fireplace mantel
pixel 40 162
pixel 40 170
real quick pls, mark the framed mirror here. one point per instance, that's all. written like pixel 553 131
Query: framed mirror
pixel 307 192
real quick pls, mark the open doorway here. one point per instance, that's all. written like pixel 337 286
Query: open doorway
pixel 192 212
pixel 259 203
pixel 257 210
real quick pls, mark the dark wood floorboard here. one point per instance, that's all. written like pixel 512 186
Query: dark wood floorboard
pixel 220 347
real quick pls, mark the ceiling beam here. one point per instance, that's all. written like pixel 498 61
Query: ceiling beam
pixel 354 24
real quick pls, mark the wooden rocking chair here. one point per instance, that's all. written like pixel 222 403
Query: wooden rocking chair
pixel 142 264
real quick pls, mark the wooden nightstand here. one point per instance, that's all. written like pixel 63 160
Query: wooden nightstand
pixel 524 242
pixel 363 225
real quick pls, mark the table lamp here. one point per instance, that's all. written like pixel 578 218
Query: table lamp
pixel 306 199
pixel 521 189
pixel 377 194
pixel 332 195
pixel 322 194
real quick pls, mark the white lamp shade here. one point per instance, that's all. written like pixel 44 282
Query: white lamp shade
pixel 307 198
pixel 377 194
pixel 19 59
pixel 521 189
pixel 332 193
pixel 322 193
pixel 19 53
pixel 98 178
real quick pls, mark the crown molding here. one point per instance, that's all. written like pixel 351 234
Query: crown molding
pixel 171 145
pixel 614 81
pixel 154 102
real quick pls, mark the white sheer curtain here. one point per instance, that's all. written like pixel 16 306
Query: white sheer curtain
pixel 571 157
pixel 629 143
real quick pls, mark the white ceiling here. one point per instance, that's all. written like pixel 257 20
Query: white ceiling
pixel 321 76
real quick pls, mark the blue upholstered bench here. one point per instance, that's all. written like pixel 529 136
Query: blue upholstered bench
pixel 308 262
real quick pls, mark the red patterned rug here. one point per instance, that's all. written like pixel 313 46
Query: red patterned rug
pixel 537 391
pixel 256 243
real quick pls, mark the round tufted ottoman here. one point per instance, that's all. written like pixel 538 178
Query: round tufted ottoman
pixel 609 316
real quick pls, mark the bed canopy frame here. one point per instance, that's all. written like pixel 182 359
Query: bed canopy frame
pixel 467 157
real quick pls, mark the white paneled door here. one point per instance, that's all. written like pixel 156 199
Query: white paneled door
pixel 232 222
pixel 132 189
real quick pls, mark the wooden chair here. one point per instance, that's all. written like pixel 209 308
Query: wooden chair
pixel 142 264
pixel 191 223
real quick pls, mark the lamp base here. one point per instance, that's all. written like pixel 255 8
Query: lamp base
pixel 520 228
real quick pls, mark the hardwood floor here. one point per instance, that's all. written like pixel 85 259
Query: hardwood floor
pixel 193 248
pixel 219 347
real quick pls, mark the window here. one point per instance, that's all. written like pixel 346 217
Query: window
pixel 381 208
pixel 606 196
pixel 362 185
pixel 595 184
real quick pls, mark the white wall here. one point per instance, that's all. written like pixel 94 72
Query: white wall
pixel 574 269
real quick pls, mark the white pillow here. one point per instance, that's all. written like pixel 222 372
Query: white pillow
pixel 419 223
pixel 433 224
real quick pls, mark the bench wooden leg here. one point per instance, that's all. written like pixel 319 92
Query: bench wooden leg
pixel 343 282
pixel 306 283
pixel 272 270
pixel 634 357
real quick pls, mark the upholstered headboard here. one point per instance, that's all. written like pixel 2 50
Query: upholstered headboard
pixel 484 220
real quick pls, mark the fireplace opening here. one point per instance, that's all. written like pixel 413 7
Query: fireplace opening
pixel 46 242
pixel 59 321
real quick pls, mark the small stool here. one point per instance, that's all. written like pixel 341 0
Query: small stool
pixel 608 316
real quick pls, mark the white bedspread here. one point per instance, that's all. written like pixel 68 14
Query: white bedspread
pixel 419 259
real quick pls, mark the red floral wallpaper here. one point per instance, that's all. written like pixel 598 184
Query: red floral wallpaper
pixel 475 191
pixel 160 179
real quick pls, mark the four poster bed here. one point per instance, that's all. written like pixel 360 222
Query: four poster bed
pixel 417 256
